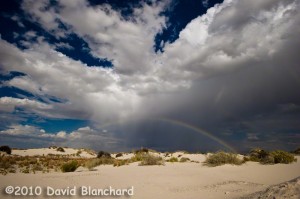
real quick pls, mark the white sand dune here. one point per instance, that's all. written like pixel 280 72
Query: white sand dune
pixel 289 189
pixel 173 180
pixel 46 151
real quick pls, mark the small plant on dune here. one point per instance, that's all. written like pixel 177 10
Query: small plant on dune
pixel 173 159
pixel 69 166
pixel 103 154
pixel 5 149
pixel 138 157
pixel 26 170
pixel 151 160
pixel 119 155
pixel 274 157
pixel 142 150
pixel 118 163
pixel 60 149
pixel 78 153
pixel 37 167
pixel 258 155
pixel 221 158
pixel 282 157
pixel 297 151
pixel 184 159
pixel 91 164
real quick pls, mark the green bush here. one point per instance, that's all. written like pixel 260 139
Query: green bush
pixel 5 149
pixel 221 158
pixel 142 150
pixel 70 166
pixel 258 155
pixel 297 151
pixel 274 157
pixel 282 157
pixel 138 157
pixel 119 155
pixel 151 160
pixel 103 154
pixel 26 170
pixel 60 149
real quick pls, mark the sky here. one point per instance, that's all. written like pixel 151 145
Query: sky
pixel 195 75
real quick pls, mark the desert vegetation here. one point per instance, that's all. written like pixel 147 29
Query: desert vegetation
pixel 5 149
pixel 221 158
pixel 33 164
pixel 103 154
pixel 273 157
pixel 65 162
pixel 172 159
pixel 149 159
pixel 70 166
pixel 60 149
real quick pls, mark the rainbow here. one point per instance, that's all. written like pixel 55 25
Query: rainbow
pixel 185 125
pixel 198 130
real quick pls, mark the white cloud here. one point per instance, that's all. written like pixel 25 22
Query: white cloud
pixel 79 137
pixel 9 104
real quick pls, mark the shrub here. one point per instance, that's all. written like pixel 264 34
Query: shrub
pixel 78 153
pixel 258 155
pixel 221 158
pixel 297 151
pixel 151 160
pixel 26 170
pixel 69 166
pixel 37 167
pixel 173 159
pixel 6 149
pixel 274 157
pixel 118 163
pixel 60 149
pixel 92 163
pixel 282 157
pixel 138 157
pixel 184 159
pixel 103 154
pixel 142 150
pixel 119 155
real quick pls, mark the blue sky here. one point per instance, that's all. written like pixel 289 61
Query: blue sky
pixel 116 75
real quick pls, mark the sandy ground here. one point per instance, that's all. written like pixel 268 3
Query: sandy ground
pixel 174 180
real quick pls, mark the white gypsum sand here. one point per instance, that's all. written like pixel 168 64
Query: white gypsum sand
pixel 173 180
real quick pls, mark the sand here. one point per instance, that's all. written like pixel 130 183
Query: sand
pixel 173 180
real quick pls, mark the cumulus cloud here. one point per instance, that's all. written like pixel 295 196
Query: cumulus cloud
pixel 230 66
pixel 85 136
